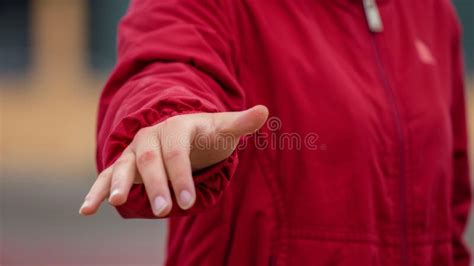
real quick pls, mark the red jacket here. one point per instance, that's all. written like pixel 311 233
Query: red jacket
pixel 384 178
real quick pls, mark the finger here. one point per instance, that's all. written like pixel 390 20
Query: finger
pixel 152 170
pixel 97 193
pixel 123 175
pixel 175 149
pixel 241 123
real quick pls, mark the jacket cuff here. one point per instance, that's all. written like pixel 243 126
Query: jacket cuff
pixel 210 184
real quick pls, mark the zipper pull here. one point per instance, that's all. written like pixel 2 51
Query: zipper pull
pixel 372 15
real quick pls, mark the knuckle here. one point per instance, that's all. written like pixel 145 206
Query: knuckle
pixel 146 157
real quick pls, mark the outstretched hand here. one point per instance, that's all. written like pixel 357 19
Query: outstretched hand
pixel 172 150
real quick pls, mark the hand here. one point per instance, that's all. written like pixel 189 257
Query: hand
pixel 172 150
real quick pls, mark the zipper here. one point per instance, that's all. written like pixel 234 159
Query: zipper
pixel 372 15
pixel 375 25
pixel 401 139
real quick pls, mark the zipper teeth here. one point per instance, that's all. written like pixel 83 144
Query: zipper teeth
pixel 403 201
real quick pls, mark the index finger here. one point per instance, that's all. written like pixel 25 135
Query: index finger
pixel 98 192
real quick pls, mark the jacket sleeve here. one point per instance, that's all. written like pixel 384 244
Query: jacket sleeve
pixel 174 57
pixel 461 194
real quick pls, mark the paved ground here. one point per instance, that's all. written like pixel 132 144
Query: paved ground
pixel 40 226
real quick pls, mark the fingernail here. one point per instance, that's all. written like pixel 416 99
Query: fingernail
pixel 185 199
pixel 115 192
pixel 159 204
pixel 83 206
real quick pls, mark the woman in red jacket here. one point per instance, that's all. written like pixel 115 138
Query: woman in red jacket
pixel 369 94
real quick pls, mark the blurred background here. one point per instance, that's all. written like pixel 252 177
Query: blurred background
pixel 55 56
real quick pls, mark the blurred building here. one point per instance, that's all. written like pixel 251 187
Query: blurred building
pixel 55 56
pixel 54 59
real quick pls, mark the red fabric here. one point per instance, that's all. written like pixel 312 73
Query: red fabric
pixel 388 181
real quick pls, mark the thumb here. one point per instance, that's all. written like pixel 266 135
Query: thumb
pixel 243 122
